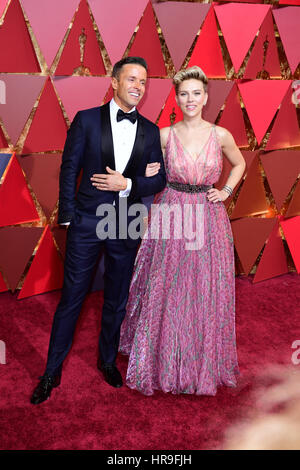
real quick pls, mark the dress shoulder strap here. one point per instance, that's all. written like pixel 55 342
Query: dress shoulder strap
pixel 170 132
pixel 216 136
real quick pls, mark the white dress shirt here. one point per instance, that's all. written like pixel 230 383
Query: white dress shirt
pixel 123 133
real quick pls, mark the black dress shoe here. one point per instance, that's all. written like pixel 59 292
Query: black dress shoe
pixel 43 390
pixel 111 375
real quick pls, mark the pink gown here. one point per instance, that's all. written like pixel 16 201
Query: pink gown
pixel 179 328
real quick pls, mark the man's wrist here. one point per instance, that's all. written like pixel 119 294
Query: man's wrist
pixel 127 190
pixel 124 184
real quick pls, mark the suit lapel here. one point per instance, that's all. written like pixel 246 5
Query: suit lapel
pixel 137 151
pixel 107 146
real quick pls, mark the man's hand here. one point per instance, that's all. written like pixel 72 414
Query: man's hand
pixel 114 181
pixel 152 169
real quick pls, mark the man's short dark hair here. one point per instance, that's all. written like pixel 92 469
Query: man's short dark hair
pixel 128 60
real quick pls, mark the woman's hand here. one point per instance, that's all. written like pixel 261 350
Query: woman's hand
pixel 152 169
pixel 214 195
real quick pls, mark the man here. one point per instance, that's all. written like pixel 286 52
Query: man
pixel 112 145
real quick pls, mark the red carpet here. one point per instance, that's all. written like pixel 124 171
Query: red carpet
pixel 86 413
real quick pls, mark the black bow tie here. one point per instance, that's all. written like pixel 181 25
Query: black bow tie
pixel 131 116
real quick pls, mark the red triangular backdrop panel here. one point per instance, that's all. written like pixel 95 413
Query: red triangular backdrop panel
pixel 239 24
pixel 48 130
pixel 264 55
pixel 285 131
pixel 282 169
pixel 146 44
pixel 18 244
pixel 218 91
pixel 3 286
pixel 16 203
pixel 70 59
pixel 160 88
pixel 42 173
pixel 250 235
pixel 3 141
pixel 149 107
pixel 117 28
pixel 207 52
pixel 19 56
pixel 242 1
pixel 21 93
pixel 171 17
pixel 46 271
pixel 273 261
pixel 232 118
pixel 3 4
pixel 60 236
pixel 49 33
pixel 289 2
pixel 291 230
pixel 287 20
pixel 256 204
pixel 89 92
pixel 262 99
pixel 294 205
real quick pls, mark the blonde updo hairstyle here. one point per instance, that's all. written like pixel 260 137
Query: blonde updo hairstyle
pixel 187 74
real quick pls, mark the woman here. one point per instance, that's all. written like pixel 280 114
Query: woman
pixel 179 329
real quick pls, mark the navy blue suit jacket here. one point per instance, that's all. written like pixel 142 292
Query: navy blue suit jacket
pixel 89 147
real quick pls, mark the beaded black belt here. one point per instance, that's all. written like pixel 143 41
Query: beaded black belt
pixel 189 188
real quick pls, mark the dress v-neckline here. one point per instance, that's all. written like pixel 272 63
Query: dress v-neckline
pixel 186 151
